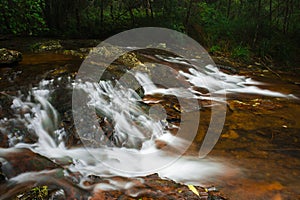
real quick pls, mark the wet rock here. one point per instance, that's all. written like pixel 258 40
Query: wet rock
pixel 9 57
pixel 99 55
pixel 96 54
pixel 39 192
pixel 81 53
pixel 2 176
pixel 3 140
pixel 130 60
pixel 36 170
pixel 5 102
pixel 231 134
pixel 227 69
pixel 30 162
pixel 50 45
pixel 153 187
pixel 58 195
pixel 53 178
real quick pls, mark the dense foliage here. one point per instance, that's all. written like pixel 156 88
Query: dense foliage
pixel 22 17
pixel 242 28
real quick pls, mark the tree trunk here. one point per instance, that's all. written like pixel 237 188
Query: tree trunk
pixel 188 13
pixel 289 15
pixel 101 12
pixel 286 13
pixel 278 12
pixel 146 3
pixel 151 8
pixel 164 8
pixel 131 16
pixel 228 8
pixel 270 12
pixel 259 8
pixel 240 8
pixel 258 22
pixel 78 24
pixel 47 13
pixel 112 11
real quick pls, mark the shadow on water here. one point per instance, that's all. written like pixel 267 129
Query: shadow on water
pixel 260 138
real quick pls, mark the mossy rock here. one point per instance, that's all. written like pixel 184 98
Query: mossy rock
pixel 9 57
pixel 36 193
pixel 50 45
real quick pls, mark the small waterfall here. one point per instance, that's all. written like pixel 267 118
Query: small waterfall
pixel 126 121
pixel 212 79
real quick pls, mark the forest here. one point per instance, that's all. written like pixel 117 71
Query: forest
pixel 242 29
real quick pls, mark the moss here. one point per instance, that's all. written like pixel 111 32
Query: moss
pixel 36 193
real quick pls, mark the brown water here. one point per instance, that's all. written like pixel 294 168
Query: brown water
pixel 261 136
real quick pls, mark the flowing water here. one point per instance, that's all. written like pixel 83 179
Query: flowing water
pixel 257 156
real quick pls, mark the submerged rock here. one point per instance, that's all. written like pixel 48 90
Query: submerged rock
pixel 9 57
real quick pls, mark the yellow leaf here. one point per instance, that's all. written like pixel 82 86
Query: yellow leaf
pixel 193 189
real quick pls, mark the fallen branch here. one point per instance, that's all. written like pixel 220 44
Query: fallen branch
pixel 268 68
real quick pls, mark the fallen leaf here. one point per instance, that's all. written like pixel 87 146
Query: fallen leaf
pixel 194 190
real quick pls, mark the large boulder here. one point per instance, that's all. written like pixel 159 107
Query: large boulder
pixel 9 57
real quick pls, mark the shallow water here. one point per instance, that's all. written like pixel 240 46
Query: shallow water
pixel 256 157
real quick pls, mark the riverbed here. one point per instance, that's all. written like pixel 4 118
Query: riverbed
pixel 257 154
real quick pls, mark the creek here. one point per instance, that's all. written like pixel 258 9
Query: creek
pixel 146 130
